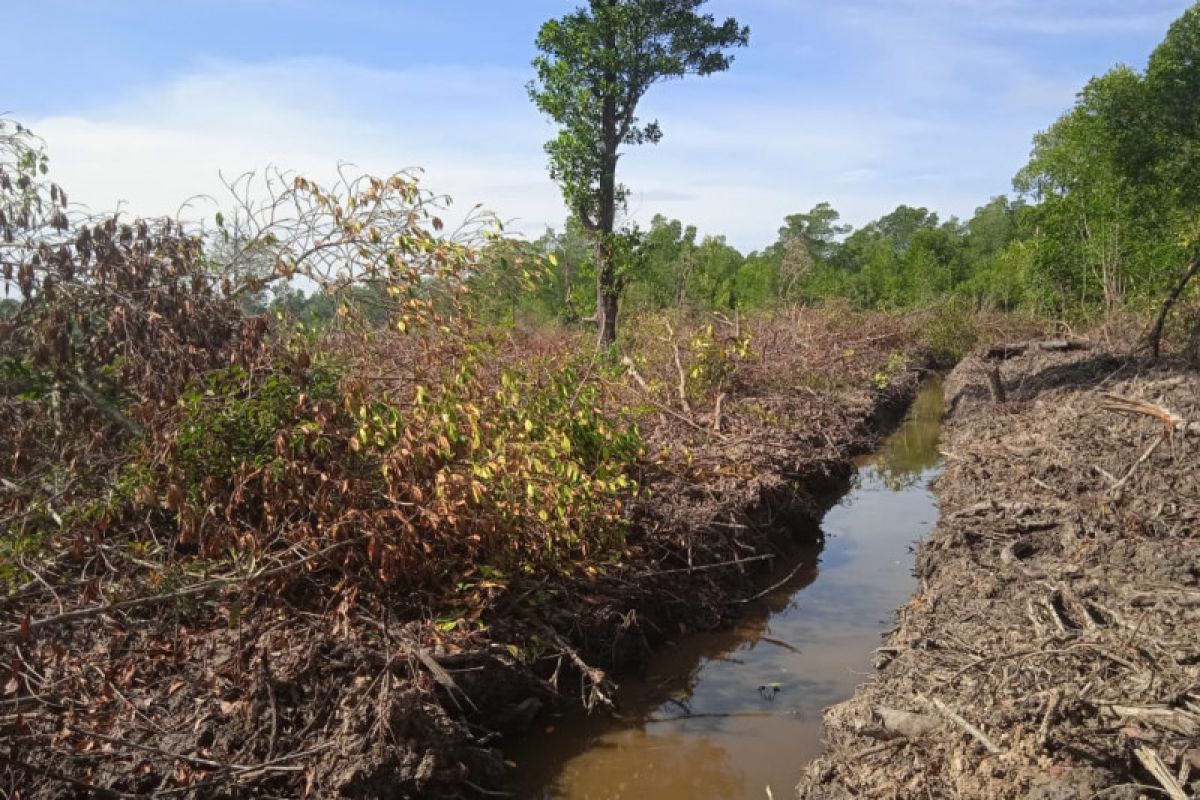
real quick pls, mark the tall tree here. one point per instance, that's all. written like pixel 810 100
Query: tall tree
pixel 818 230
pixel 595 66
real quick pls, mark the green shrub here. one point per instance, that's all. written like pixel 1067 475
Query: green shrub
pixel 230 421
pixel 949 330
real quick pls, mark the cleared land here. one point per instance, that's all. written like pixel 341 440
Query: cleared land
pixel 1053 650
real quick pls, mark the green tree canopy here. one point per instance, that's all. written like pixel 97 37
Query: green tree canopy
pixel 818 229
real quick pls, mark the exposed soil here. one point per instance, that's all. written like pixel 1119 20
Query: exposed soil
pixel 1053 650
pixel 242 692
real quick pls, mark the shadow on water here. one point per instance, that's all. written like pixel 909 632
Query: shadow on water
pixel 729 713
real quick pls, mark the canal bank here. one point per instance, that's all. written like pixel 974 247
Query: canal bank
pixel 1053 649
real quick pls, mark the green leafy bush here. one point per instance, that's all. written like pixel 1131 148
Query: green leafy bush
pixel 949 330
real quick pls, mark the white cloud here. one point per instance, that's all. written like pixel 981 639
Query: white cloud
pixel 165 144
pixel 1048 17
pixel 734 168
pixel 741 150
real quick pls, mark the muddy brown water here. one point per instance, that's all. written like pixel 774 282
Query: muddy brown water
pixel 737 713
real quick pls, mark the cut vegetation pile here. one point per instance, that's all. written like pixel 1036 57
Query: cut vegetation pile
pixel 1053 650
pixel 199 643
pixel 243 556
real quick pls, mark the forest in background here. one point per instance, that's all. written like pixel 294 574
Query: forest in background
pixel 1104 217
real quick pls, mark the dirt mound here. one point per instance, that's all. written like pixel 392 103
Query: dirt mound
pixel 1053 650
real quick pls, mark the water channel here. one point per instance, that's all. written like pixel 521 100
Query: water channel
pixel 737 713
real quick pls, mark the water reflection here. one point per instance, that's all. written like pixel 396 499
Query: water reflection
pixel 905 457
pixel 727 714
pixel 639 764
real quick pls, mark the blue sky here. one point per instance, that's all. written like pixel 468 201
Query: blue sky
pixel 864 103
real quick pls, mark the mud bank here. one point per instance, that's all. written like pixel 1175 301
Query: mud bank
pixel 1053 650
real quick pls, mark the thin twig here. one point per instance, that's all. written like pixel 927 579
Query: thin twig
pixel 1149 451
pixel 206 587
pixel 52 774
pixel 776 585
pixel 704 567
pixel 974 732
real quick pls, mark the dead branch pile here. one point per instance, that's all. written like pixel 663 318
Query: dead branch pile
pixel 241 558
pixel 1054 648
pixel 776 433
pixel 807 393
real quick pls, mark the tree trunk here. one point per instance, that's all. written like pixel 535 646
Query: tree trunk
pixel 606 292
pixel 1154 338
pixel 606 270
pixel 606 315
pixel 606 285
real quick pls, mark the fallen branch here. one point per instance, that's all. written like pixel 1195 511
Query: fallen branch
pixel 1146 455
pixel 25 629
pixel 780 643
pixel 1003 352
pixel 596 681
pixel 105 406
pixel 440 674
pixel 710 715
pixel 974 732
pixel 1171 719
pixel 775 585
pixel 665 409
pixel 627 362
pixel 683 401
pixel 1044 729
pixel 55 775
pixel 1155 766
pixel 996 386
pixel 116 742
pixel 716 420
pixel 1170 420
pixel 703 568
pixel 1154 338
pixel 894 722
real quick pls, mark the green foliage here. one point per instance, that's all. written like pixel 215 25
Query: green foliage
pixel 23 380
pixel 229 422
pixel 757 282
pixel 595 66
pixel 513 469
pixel 897 364
pixel 1107 213
pixel 1108 210
pixel 20 543
pixel 714 361
pixel 1114 180
pixel 818 229
pixel 949 329
pixel 533 459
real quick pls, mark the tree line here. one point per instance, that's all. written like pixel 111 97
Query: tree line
pixel 1103 216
